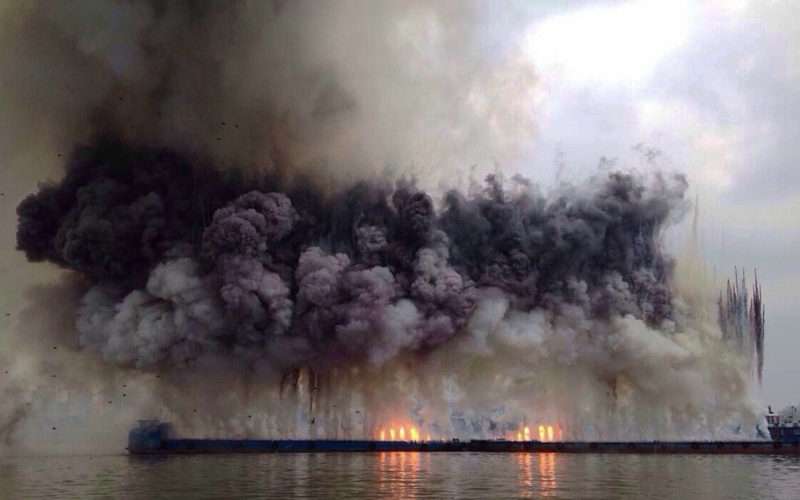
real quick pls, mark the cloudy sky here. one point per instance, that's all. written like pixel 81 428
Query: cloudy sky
pixel 711 89
pixel 715 88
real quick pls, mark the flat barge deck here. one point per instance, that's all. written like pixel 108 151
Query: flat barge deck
pixel 152 438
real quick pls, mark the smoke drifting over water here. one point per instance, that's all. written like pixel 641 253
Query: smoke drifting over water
pixel 243 257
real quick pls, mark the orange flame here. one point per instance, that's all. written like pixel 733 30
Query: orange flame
pixel 402 433
pixel 546 433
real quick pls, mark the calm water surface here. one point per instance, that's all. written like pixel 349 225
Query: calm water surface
pixel 402 475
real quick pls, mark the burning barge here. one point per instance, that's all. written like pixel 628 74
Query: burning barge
pixel 152 437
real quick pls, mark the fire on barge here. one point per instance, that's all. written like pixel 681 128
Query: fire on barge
pixel 153 437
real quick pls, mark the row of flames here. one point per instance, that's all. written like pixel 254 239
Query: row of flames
pixel 546 434
pixel 400 434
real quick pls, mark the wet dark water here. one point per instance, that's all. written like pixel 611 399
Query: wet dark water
pixel 402 475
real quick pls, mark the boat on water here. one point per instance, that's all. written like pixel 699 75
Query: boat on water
pixel 152 437
pixel 784 426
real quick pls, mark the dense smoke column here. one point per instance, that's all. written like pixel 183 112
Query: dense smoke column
pixel 185 261
pixel 741 319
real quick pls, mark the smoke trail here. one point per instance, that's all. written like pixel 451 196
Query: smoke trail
pixel 742 320
pixel 7 427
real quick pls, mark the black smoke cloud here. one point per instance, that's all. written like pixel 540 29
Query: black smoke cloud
pixel 117 211
pixel 187 260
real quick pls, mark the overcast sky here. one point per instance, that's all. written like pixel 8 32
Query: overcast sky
pixel 713 86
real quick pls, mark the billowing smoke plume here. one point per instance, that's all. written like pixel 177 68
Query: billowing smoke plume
pixel 252 216
pixel 188 265
pixel 367 273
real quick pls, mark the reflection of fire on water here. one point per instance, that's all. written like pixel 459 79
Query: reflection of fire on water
pixel 547 473
pixel 525 475
pixel 399 474
pixel 546 478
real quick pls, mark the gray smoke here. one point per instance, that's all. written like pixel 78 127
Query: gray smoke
pixel 248 213
pixel 361 273
pixel 336 87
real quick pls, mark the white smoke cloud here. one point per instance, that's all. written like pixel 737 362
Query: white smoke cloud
pixel 171 319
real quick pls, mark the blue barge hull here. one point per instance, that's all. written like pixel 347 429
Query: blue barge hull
pixel 151 438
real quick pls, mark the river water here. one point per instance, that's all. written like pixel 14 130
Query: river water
pixel 402 475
